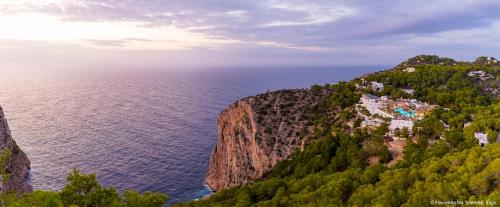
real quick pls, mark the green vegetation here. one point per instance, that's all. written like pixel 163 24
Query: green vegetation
pixel 442 160
pixel 467 175
pixel 83 191
pixel 5 157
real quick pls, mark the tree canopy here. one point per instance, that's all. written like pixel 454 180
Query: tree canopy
pixel 83 190
pixel 442 160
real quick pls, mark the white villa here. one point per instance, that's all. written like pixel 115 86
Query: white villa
pixel 408 91
pixel 370 102
pixel 482 137
pixel 371 122
pixel 401 112
pixel 409 70
pixel 400 124
pixel 374 104
pixel 476 73
pixel 376 86
pixel 479 74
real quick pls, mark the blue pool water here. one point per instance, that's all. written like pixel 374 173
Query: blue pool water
pixel 404 113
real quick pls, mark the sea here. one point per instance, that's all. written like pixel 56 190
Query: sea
pixel 141 129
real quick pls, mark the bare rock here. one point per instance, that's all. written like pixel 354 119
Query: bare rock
pixel 16 163
pixel 257 132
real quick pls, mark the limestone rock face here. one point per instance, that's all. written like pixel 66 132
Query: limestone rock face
pixel 16 163
pixel 256 132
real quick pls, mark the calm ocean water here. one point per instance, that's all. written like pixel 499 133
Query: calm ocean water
pixel 148 130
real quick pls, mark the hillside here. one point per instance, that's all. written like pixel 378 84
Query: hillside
pixel 360 158
pixel 15 164
pixel 257 132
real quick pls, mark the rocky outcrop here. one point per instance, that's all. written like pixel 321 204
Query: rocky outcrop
pixel 256 132
pixel 16 164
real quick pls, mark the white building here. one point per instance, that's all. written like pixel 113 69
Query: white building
pixel 492 60
pixel 409 70
pixel 418 104
pixel 400 124
pixel 376 86
pixel 482 137
pixel 375 104
pixel 363 82
pixel 370 102
pixel 479 73
pixel 371 122
pixel 408 91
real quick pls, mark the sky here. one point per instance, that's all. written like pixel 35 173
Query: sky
pixel 206 33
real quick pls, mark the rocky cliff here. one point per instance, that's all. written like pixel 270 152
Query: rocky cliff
pixel 16 164
pixel 256 132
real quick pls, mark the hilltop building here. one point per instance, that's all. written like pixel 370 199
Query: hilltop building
pixel 375 105
pixel 409 70
pixel 401 112
pixel 400 124
pixel 370 102
pixel 476 73
pixel 482 137
pixel 408 91
pixel 481 75
pixel 376 86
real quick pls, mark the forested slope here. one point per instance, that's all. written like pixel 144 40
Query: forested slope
pixel 442 160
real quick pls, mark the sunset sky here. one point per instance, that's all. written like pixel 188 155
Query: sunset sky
pixel 182 33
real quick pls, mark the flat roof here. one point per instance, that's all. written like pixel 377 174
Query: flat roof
pixel 370 96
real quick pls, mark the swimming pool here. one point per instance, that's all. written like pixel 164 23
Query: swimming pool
pixel 403 112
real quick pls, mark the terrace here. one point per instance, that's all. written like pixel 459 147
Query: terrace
pixel 400 113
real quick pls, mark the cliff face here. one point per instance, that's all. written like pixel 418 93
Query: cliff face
pixel 256 132
pixel 16 163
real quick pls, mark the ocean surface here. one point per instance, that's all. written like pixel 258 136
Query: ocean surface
pixel 148 130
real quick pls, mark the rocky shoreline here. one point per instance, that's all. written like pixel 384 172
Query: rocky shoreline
pixel 16 173
pixel 257 132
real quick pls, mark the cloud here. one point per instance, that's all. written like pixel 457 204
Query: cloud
pixel 310 14
pixel 369 30
pixel 106 43
pixel 121 42
pixel 236 13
